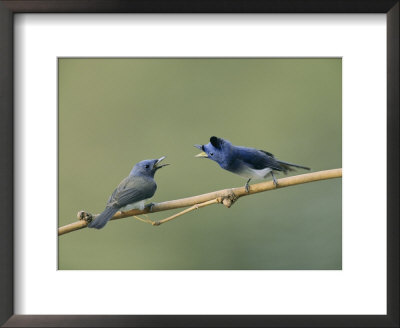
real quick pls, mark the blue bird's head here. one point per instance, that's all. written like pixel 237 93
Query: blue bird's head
pixel 218 150
pixel 147 167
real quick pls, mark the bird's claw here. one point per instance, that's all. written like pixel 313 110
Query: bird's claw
pixel 149 206
pixel 274 180
pixel 247 186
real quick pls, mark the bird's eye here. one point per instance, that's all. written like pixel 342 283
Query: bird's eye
pixel 147 166
pixel 211 154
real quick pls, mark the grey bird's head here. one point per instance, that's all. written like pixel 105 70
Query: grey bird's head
pixel 218 150
pixel 147 167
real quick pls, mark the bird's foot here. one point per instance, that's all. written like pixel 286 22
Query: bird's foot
pixel 275 182
pixel 247 186
pixel 149 206
pixel 85 216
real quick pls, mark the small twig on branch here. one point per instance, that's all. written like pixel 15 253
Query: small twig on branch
pixel 194 207
pixel 226 197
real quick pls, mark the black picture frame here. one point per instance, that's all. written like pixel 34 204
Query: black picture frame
pixel 10 7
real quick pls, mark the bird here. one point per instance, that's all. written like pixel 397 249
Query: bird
pixel 132 192
pixel 249 163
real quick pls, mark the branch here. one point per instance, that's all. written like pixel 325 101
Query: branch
pixel 225 196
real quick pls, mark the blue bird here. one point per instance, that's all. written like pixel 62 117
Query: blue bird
pixel 249 163
pixel 132 192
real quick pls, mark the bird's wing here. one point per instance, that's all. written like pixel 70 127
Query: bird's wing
pixel 132 190
pixel 266 152
pixel 122 185
pixel 258 159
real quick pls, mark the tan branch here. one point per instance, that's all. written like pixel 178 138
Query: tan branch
pixel 225 196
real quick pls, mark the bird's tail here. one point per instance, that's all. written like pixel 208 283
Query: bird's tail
pixel 101 220
pixel 290 166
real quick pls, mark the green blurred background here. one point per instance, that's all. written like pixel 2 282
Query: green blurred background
pixel 114 113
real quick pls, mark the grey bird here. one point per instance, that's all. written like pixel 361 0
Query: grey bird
pixel 132 192
pixel 249 163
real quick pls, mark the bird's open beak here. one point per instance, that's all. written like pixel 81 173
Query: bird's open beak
pixel 157 165
pixel 202 154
